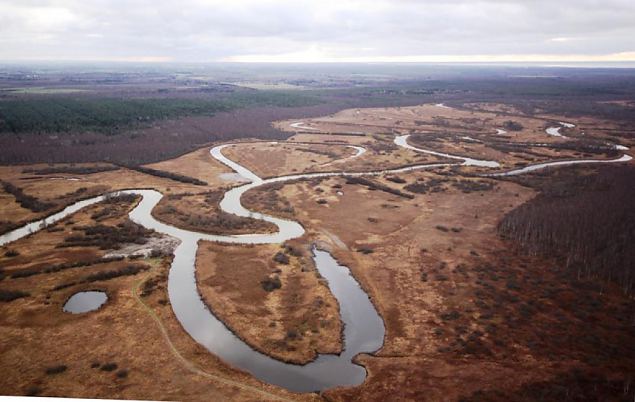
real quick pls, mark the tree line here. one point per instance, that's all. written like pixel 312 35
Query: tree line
pixel 587 221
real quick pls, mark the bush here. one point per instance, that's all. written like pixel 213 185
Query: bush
pixel 10 295
pixel 281 258
pixel 33 390
pixel 292 334
pixel 61 267
pixel 108 237
pixel 167 175
pixel 293 250
pixel 468 186
pixel 424 186
pixel 56 369
pixel 11 253
pixel 70 170
pixel 123 373
pixel 25 273
pixel 26 201
pixel 106 275
pixel 109 367
pixel 372 185
pixel 396 179
pixel 511 125
pixel 450 316
pixel 270 284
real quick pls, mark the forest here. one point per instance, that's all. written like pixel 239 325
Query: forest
pixel 143 120
pixel 585 221
pixel 61 114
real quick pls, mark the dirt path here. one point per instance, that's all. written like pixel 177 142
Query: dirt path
pixel 191 366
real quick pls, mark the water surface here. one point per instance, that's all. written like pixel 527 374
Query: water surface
pixel 83 302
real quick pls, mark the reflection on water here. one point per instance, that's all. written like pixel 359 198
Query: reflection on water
pixel 363 328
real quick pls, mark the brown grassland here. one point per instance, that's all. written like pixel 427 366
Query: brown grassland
pixel 468 314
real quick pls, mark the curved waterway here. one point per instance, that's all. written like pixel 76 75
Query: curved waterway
pixel 402 141
pixel 302 126
pixel 363 328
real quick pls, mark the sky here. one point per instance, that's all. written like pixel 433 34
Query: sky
pixel 318 30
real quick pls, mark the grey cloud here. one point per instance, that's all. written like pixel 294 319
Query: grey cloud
pixel 199 30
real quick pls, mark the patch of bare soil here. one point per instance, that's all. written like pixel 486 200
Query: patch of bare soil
pixel 271 297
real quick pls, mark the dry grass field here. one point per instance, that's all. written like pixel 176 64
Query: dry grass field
pixel 468 316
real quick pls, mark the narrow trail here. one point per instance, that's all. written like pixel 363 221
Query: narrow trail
pixel 187 364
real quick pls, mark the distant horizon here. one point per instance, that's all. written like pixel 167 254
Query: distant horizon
pixel 543 64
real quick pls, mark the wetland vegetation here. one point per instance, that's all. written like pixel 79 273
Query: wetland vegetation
pixel 475 279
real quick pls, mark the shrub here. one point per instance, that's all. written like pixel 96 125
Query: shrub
pixel 10 295
pixel 292 334
pixel 25 273
pixel 33 390
pixel 56 369
pixel 281 258
pixel 123 373
pixel 106 275
pixel 442 228
pixel 25 201
pixel 108 237
pixel 109 367
pixel 511 125
pixel 450 316
pixel 396 179
pixel 468 186
pixel 12 253
pixel 372 185
pixel 70 170
pixel 423 186
pixel 270 284
pixel 167 175
pixel 293 250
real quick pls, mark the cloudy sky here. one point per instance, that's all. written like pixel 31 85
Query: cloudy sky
pixel 318 30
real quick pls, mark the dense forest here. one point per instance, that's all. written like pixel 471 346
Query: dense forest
pixel 59 114
pixel 587 221
pixel 143 118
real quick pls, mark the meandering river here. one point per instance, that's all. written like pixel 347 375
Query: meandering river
pixel 363 327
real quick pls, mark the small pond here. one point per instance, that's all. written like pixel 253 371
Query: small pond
pixel 84 302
